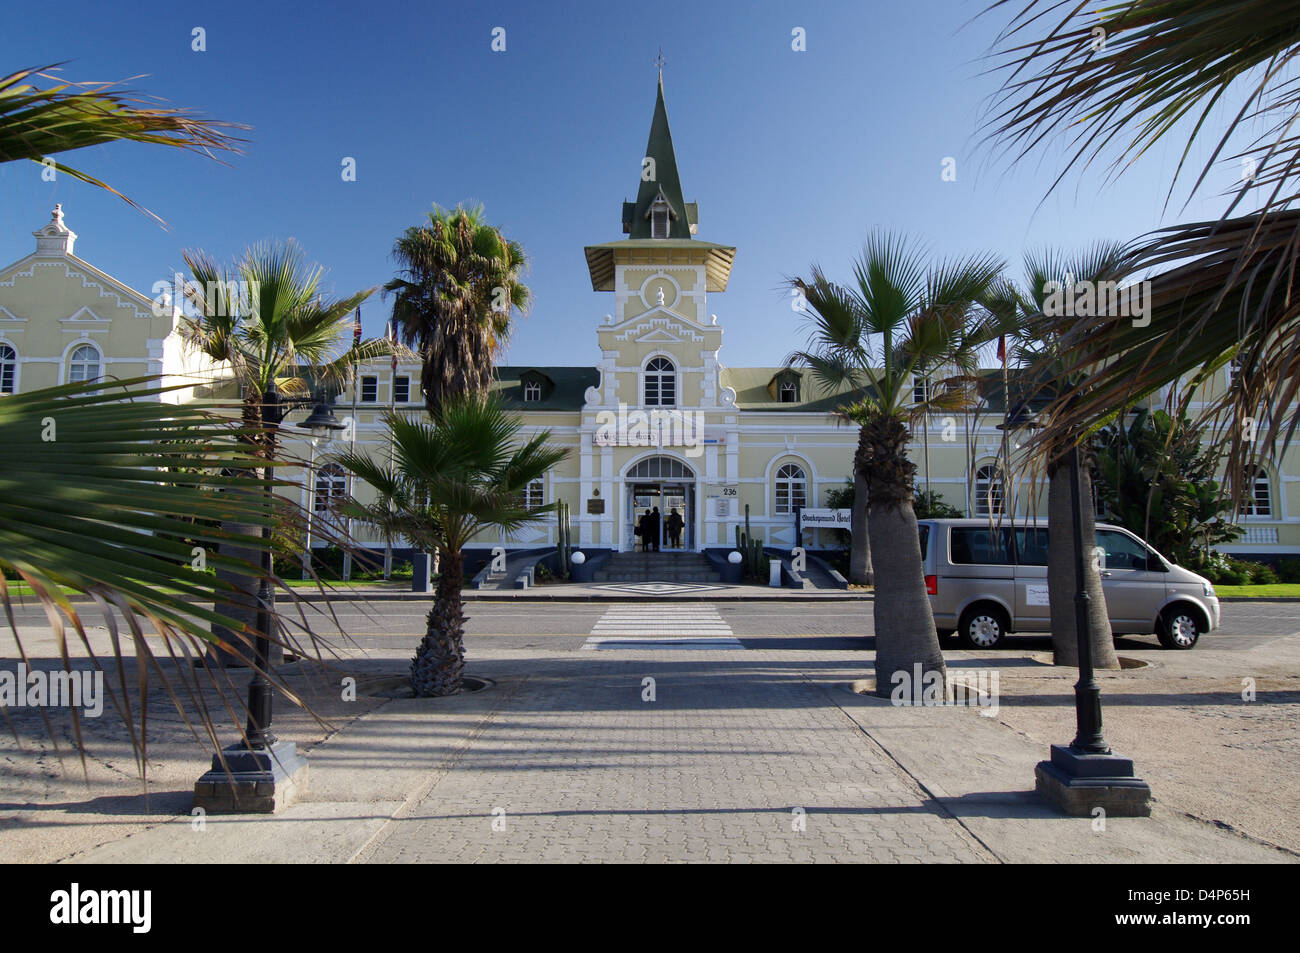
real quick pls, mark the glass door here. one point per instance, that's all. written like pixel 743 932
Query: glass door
pixel 675 526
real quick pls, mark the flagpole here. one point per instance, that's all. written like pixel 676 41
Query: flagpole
pixel 352 442
pixel 1006 410
pixel 392 407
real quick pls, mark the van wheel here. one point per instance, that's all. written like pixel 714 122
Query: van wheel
pixel 982 627
pixel 1179 628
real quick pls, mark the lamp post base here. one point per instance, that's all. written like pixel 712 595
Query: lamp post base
pixel 1077 784
pixel 261 781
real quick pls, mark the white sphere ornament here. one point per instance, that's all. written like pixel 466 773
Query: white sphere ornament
pixel 733 557
pixel 578 559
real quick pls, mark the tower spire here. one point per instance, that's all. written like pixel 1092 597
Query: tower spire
pixel 659 180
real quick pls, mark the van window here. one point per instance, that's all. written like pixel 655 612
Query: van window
pixel 1124 552
pixel 1031 546
pixel 987 546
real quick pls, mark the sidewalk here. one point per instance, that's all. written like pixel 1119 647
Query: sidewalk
pixel 601 592
pixel 741 756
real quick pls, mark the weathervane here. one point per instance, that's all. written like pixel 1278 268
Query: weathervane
pixel 659 62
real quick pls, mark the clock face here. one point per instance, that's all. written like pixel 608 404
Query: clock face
pixel 650 295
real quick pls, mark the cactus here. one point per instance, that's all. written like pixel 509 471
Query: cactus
pixel 563 538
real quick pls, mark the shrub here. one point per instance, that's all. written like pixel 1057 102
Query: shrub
pixel 1289 570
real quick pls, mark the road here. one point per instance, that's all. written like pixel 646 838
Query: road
pixel 564 627
pixel 832 625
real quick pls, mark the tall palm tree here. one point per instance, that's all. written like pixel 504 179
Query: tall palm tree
pixel 463 473
pixel 1019 313
pixel 1132 75
pixel 39 123
pixel 898 316
pixel 454 299
pixel 264 319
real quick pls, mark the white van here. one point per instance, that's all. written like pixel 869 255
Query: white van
pixel 988 578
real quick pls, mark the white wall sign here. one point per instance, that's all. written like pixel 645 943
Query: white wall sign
pixel 825 519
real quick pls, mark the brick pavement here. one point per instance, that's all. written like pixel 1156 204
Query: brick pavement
pixel 732 761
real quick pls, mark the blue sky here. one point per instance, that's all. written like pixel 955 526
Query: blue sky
pixel 792 156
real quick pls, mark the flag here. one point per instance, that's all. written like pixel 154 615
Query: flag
pixel 356 328
pixel 1002 349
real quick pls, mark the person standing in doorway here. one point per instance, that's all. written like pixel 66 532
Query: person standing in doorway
pixel 674 525
pixel 655 520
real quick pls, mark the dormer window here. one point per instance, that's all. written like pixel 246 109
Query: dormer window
pixel 784 387
pixel 535 387
pixel 660 217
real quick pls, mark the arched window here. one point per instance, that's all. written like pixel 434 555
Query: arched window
pixel 8 369
pixel 789 391
pixel 532 392
pixel 331 486
pixel 1259 500
pixel 791 488
pixel 660 383
pixel 661 468
pixel 988 491
pixel 84 364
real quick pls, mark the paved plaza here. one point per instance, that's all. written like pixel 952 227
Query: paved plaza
pixel 742 739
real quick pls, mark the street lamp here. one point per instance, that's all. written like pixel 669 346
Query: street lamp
pixel 1085 775
pixel 322 424
pixel 260 774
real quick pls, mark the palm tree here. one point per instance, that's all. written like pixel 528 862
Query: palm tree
pixel 451 479
pixel 919 315
pixel 452 302
pixel 265 320
pixel 1018 311
pixel 1133 75
pixel 39 123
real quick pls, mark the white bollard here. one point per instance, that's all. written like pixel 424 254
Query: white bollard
pixel 774 573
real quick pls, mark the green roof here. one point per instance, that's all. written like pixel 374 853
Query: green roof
pixel 752 391
pixel 567 393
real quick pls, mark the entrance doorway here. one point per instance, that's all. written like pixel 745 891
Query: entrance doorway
pixel 660 505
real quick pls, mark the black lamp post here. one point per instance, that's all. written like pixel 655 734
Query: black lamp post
pixel 1086 778
pixel 261 774
pixel 1085 775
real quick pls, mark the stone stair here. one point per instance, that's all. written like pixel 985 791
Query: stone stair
pixel 657 567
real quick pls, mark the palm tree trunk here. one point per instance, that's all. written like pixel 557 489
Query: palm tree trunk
pixel 439 663
pixel 907 645
pixel 860 550
pixel 1061 584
